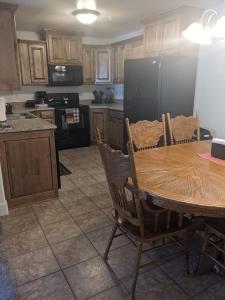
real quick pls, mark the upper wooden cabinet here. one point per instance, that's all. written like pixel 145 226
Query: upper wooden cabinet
pixel 103 65
pixel 152 38
pixel 163 35
pixel 118 62
pixel 63 49
pixel 130 49
pixel 88 65
pixel 33 62
pixel 9 66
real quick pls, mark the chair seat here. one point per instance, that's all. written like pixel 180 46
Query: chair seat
pixel 217 226
pixel 149 225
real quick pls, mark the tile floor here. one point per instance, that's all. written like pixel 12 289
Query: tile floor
pixel 53 249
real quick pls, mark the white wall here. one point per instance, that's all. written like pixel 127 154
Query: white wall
pixel 210 88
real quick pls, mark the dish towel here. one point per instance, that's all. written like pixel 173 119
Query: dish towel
pixel 72 115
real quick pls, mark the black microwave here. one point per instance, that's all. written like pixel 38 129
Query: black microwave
pixel 62 75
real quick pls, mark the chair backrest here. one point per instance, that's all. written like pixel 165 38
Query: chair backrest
pixel 146 134
pixel 182 129
pixel 118 168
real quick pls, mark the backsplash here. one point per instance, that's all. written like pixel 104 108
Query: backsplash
pixel 85 91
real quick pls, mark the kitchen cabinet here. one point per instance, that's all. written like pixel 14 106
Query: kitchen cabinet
pixel 134 49
pixel 34 177
pixel 103 65
pixel 63 49
pixel 152 39
pixel 9 65
pixel 98 119
pixel 115 124
pixel 119 57
pixel 110 122
pixel 88 65
pixel 163 34
pixel 33 62
pixel 47 115
pixel 129 49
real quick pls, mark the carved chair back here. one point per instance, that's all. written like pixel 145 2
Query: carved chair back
pixel 118 168
pixel 182 129
pixel 146 134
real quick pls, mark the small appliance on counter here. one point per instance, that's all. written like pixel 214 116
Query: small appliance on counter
pixel 98 97
pixel 30 103
pixel 41 97
pixel 109 95
pixel 218 148
pixel 8 108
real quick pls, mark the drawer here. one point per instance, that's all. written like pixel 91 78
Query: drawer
pixel 47 114
pixel 115 114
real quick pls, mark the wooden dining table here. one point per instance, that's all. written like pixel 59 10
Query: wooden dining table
pixel 180 180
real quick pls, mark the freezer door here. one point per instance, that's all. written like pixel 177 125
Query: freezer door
pixel 177 84
pixel 141 89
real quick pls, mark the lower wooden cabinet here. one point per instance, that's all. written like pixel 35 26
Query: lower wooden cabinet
pixel 98 119
pixel 28 162
pixel 115 128
pixel 110 124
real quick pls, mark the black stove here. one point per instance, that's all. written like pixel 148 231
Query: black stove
pixel 72 120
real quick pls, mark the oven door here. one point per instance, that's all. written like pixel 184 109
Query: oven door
pixel 72 135
pixel 70 75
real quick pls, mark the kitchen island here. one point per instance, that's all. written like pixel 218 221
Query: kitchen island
pixel 28 160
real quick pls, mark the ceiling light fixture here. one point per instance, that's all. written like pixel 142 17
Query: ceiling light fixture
pixel 86 16
pixel 212 25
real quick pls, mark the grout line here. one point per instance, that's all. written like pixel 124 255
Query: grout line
pixel 60 269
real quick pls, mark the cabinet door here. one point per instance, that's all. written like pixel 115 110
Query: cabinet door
pixel 135 49
pixel 33 173
pixel 170 33
pixel 152 39
pixel 103 65
pixel 119 57
pixel 25 69
pixel 88 65
pixel 73 50
pixel 98 120
pixel 9 75
pixel 57 52
pixel 38 63
pixel 115 129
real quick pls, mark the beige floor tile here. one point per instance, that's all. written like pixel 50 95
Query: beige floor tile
pixel 31 266
pixel 74 251
pixel 51 287
pixel 61 230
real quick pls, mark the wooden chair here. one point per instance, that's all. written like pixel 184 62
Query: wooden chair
pixel 182 129
pixel 146 134
pixel 129 216
pixel 214 238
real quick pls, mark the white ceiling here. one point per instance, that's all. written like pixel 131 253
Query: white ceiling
pixel 118 17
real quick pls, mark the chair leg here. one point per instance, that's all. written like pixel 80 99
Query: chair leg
pixel 202 255
pixel 187 256
pixel 105 257
pixel 136 271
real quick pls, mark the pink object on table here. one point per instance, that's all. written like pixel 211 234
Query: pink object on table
pixel 208 156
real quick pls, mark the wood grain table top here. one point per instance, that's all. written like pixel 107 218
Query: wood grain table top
pixel 181 180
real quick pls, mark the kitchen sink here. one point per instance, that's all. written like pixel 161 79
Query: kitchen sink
pixel 19 116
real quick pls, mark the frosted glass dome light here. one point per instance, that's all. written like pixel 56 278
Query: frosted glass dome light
pixel 86 16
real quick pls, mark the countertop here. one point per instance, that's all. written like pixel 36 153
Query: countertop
pixel 114 106
pixel 22 125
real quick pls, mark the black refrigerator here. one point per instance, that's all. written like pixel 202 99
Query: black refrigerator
pixel 157 85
